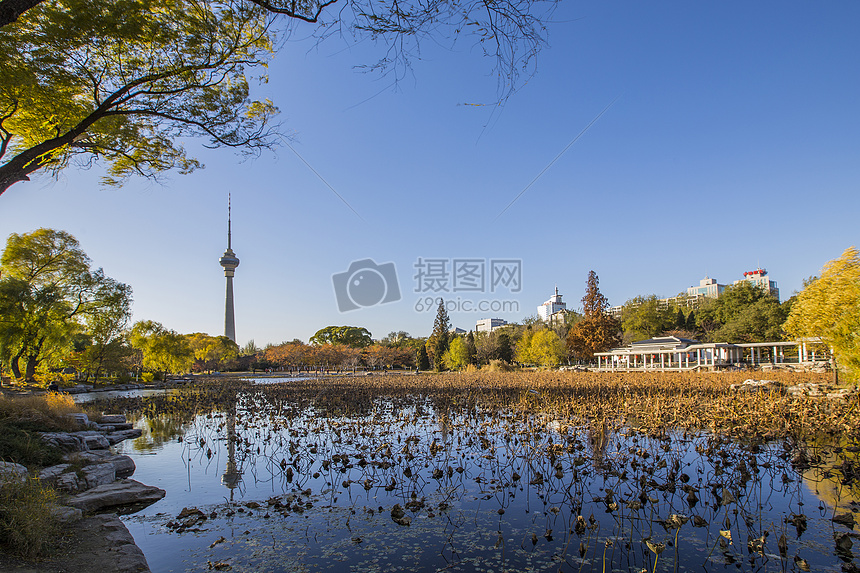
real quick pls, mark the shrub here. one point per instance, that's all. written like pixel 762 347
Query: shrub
pixel 28 525
pixel 499 366
pixel 22 447
pixel 46 413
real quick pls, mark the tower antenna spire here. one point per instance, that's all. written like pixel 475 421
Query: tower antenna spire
pixel 229 207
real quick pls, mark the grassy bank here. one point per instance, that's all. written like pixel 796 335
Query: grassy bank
pixel 28 527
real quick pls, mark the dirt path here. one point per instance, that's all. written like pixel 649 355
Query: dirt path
pixel 97 544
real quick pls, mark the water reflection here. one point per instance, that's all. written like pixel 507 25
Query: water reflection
pixel 232 476
pixel 321 482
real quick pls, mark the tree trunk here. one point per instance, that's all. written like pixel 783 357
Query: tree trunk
pixel 30 374
pixel 13 364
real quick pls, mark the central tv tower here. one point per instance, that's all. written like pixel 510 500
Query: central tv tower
pixel 229 261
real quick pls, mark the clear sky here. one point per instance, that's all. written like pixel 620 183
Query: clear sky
pixel 733 143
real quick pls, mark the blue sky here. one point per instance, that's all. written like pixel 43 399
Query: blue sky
pixel 733 143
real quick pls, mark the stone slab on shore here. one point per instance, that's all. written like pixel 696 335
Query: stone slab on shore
pixel 97 544
pixel 122 492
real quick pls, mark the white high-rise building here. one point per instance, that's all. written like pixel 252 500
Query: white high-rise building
pixel 551 307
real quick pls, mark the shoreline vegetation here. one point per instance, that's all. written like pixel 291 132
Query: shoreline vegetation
pixel 802 409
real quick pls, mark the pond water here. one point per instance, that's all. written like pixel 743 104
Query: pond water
pixel 419 485
pixel 85 397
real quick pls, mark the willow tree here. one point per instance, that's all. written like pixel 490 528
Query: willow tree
pixel 48 294
pixel 829 307
pixel 162 350
pixel 124 81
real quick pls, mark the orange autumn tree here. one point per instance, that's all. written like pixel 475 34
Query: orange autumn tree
pixel 597 331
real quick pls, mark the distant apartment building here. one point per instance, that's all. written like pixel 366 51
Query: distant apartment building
pixel 489 324
pixel 759 278
pixel 550 310
pixel 708 287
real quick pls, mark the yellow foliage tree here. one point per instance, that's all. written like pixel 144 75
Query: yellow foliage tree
pixel 543 348
pixel 829 307
pixel 457 355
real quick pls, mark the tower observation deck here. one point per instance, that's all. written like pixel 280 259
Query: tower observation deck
pixel 229 261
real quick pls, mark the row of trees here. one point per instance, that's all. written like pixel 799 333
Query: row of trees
pixel 58 313
pixel 298 356
pixel 158 349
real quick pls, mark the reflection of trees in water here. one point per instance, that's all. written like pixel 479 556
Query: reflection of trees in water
pixel 831 469
pixel 157 431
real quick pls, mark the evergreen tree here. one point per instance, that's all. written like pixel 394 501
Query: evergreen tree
pixel 593 303
pixel 423 359
pixel 691 321
pixel 470 346
pixel 440 339
pixel 680 319
pixel 597 331
pixel 505 350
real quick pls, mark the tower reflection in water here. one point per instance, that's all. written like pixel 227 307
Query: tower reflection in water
pixel 232 477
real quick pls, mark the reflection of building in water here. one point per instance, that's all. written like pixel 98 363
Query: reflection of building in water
pixel 232 473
